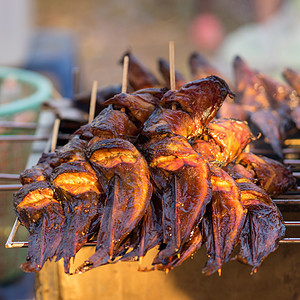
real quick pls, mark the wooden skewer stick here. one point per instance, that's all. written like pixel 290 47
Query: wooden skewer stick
pixel 55 134
pixel 93 101
pixel 125 74
pixel 172 68
pixel 172 64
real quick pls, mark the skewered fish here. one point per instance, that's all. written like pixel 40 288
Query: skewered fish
pixel 42 214
pixel 223 221
pixel 263 227
pixel 142 175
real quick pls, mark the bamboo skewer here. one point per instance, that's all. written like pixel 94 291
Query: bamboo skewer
pixel 172 68
pixel 172 65
pixel 125 74
pixel 55 134
pixel 93 101
pixel 125 77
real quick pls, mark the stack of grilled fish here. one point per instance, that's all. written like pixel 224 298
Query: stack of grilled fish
pixel 155 169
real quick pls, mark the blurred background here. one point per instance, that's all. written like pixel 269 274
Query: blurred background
pixel 56 37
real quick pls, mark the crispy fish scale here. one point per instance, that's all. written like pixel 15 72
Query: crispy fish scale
pixel 42 214
pixel 77 185
pixel 183 178
pixel 201 99
pixel 223 221
pixel 263 228
pixel 124 175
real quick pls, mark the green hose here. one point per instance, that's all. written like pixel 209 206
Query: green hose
pixel 41 84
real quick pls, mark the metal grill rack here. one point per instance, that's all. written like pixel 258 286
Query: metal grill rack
pixel 287 202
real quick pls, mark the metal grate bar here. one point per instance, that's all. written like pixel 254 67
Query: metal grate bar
pixel 10 187
pixel 18 125
pixel 9 176
pixel 291 223
pixel 289 198
pixel 294 162
pixel 22 138
pixel 290 241
pixel 12 244
pixel 286 201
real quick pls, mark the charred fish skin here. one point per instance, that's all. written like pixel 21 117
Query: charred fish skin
pixel 124 175
pixel 77 186
pixel 41 213
pixel 133 180
pixel 138 106
pixel 263 227
pixel 42 170
pixel 151 231
pixel 201 99
pixel 111 123
pixel 224 220
pixel 73 150
pixel 183 179
pixel 168 121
